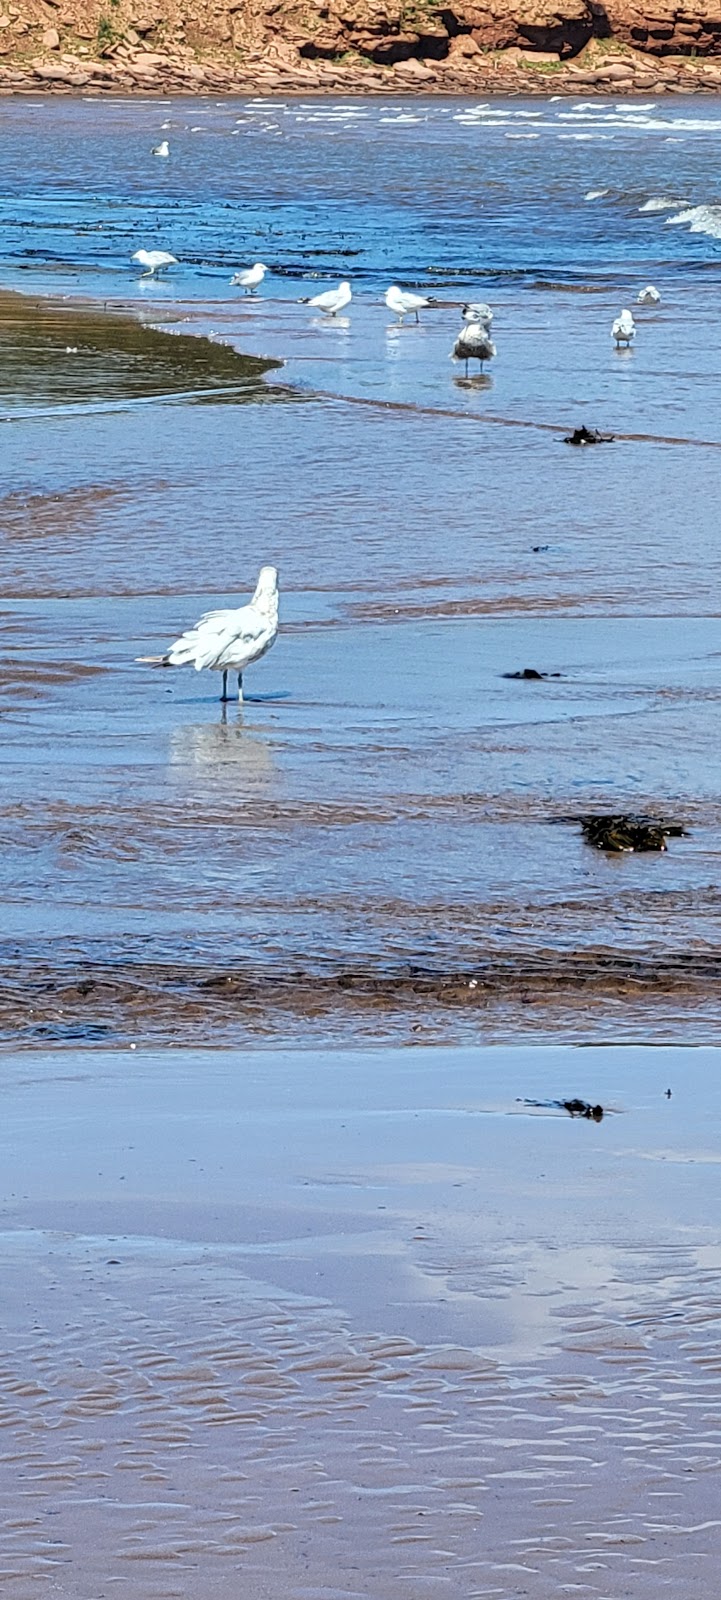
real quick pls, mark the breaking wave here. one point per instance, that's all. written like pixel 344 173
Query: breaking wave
pixel 699 219
pixel 661 203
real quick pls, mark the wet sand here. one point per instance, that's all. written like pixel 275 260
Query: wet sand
pixel 331 1324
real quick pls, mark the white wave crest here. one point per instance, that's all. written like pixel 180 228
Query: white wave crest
pixel 661 203
pixel 595 194
pixel 699 219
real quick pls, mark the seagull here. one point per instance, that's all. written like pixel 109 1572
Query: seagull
pixel 474 343
pixel 332 301
pixel 154 261
pixel 648 296
pixel 478 312
pixel 228 641
pixel 162 149
pixel 402 302
pixel 249 279
pixel 623 330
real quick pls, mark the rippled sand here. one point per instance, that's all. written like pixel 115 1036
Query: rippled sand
pixel 330 1325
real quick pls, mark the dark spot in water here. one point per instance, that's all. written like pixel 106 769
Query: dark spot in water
pixel 531 675
pixel 581 1108
pixel 584 435
pixel 625 833
pixel 575 1108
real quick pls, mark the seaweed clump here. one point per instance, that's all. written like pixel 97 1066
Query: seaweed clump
pixel 584 435
pixel 624 833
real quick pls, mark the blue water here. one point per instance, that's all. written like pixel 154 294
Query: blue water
pixel 390 797
pixel 412 189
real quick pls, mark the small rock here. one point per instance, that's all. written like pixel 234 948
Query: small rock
pixel 50 39
pixel 53 74
pixel 613 74
pixel 584 435
pixel 414 69
pixel 463 45
pixel 536 58
pixel 581 1108
pixel 531 674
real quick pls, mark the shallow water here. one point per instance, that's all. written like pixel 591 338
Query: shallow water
pixel 330 1324
pixel 383 839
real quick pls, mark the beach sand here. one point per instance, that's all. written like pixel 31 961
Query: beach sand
pixel 299 1324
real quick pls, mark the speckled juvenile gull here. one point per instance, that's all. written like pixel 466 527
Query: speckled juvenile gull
pixel 474 343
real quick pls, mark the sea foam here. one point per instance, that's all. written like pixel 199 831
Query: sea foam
pixel 699 219
pixel 661 203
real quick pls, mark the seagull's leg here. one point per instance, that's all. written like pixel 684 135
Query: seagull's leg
pixel 224 694
pixel 466 366
pixel 417 317
pixel 240 688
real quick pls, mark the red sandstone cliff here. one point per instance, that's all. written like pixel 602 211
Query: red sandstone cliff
pixel 512 45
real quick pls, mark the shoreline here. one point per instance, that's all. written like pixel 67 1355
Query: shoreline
pixel 77 993
pixel 133 69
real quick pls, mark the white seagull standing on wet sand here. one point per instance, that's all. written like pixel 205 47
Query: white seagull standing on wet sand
pixel 648 296
pixel 228 641
pixel 154 261
pixel 402 302
pixel 332 301
pixel 623 330
pixel 474 343
pixel 250 278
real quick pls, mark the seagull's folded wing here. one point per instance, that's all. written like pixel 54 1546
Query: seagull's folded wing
pixel 241 637
pixel 219 639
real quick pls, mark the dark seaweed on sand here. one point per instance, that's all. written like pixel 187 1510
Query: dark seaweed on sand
pixel 623 833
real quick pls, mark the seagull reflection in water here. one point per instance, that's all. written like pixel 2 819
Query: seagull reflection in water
pixel 227 749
